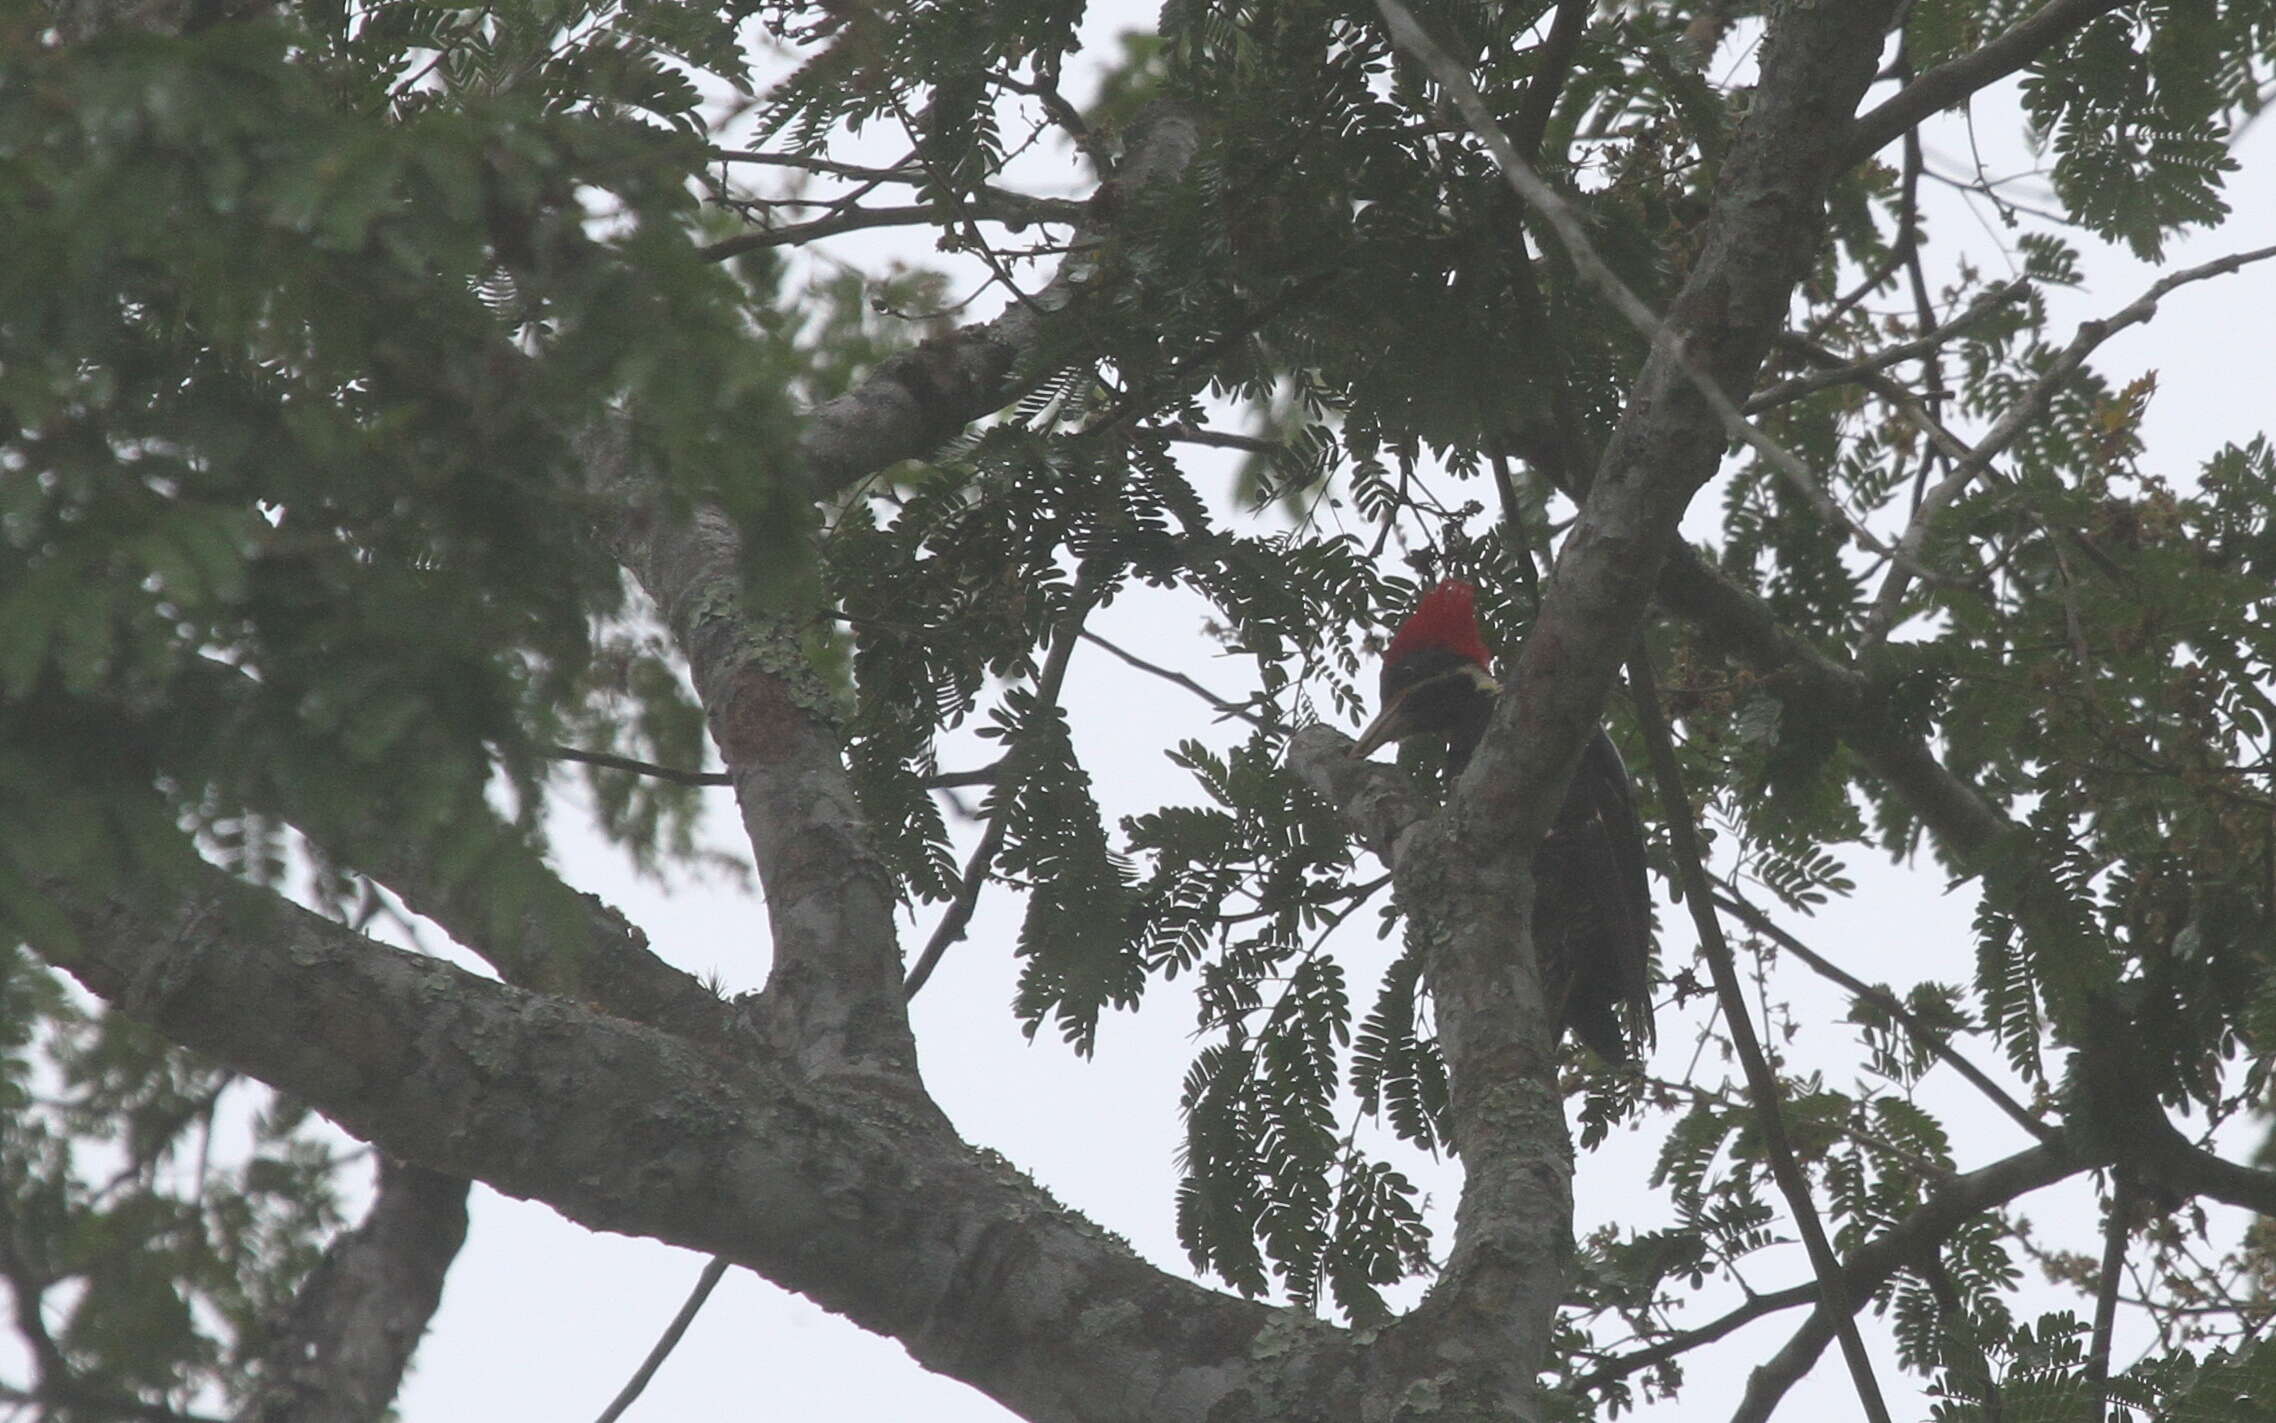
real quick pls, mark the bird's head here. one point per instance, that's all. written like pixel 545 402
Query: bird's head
pixel 1437 680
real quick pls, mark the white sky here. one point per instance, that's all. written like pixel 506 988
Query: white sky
pixel 544 1320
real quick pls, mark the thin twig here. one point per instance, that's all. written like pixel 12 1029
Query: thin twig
pixel 1221 439
pixel 713 1272
pixel 1887 1002
pixel 1685 1340
pixel 900 173
pixel 1762 1084
pixel 653 771
pixel 2026 411
pixel 990 206
pixel 1788 391
pixel 2115 1228
pixel 960 910
pixel 1178 679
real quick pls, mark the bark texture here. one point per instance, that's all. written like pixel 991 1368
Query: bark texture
pixel 341 1353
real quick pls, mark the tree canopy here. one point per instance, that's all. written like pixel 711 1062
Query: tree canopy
pixel 422 424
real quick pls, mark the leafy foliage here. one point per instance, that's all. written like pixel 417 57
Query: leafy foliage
pixel 309 306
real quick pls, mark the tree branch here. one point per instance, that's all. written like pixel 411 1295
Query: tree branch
pixel 2027 410
pixel 1871 1264
pixel 836 1188
pixel 1552 65
pixel 834 991
pixel 1887 1002
pixel 714 1270
pixel 555 939
pixel 1762 1083
pixel 1573 234
pixel 1175 679
pixel 991 205
pixel 341 1352
pixel 920 397
pixel 671 774
pixel 1048 685
pixel 1953 81
pixel 1786 392
pixel 2116 1225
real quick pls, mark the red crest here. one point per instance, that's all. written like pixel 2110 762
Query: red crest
pixel 1447 617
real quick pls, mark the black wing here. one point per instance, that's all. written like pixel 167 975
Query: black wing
pixel 1595 856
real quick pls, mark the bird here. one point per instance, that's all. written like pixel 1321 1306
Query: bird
pixel 1438 682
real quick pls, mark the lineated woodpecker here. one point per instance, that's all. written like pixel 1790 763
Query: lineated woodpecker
pixel 1596 942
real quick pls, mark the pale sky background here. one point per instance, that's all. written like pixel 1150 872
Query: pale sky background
pixel 543 1320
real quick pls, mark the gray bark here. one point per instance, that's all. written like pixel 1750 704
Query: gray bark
pixel 340 1354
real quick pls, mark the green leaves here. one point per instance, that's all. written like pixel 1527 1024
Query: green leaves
pixel 1076 959
pixel 2135 112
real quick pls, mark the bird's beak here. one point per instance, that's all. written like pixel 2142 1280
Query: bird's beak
pixel 1390 725
pixel 1424 707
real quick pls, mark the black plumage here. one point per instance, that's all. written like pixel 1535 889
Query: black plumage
pixel 1593 918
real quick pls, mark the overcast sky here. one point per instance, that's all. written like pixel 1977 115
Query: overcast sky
pixel 544 1320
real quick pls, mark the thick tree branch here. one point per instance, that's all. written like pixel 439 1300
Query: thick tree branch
pixel 841 1192
pixel 835 988
pixel 340 1354
pixel 556 939
pixel 833 994
pixel 1953 81
pixel 1566 223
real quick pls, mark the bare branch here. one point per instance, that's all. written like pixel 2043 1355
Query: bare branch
pixel 1887 1002
pixel 1221 439
pixel 1176 679
pixel 1953 81
pixel 1683 1341
pixel 2117 1224
pixel 2027 410
pixel 988 205
pixel 1902 1244
pixel 900 173
pixel 1786 392
pixel 1762 1083
pixel 672 774
pixel 714 1270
